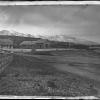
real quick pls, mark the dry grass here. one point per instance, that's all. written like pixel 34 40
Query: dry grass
pixel 36 76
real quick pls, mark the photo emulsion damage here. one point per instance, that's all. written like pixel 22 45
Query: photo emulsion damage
pixel 50 50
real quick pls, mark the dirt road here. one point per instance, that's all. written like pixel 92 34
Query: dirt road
pixel 61 63
pixel 29 75
pixel 78 71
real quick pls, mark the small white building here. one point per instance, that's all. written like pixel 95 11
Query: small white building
pixel 43 43
pixel 38 44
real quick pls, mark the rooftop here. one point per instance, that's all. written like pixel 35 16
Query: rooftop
pixel 34 42
pixel 28 43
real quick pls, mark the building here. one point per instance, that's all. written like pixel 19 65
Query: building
pixel 28 44
pixel 42 44
pixel 6 43
pixel 38 44
pixel 59 44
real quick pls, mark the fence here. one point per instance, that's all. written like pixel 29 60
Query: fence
pixel 5 60
pixel 54 49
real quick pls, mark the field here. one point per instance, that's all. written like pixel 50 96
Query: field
pixel 5 60
pixel 52 73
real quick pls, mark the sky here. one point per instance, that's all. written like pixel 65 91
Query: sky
pixel 80 21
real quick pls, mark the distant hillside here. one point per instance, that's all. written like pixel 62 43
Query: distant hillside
pixel 64 38
pixel 13 33
pixel 18 39
pixel 61 40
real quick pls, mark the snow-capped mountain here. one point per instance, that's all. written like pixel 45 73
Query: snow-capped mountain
pixel 62 38
pixel 14 33
pixel 66 38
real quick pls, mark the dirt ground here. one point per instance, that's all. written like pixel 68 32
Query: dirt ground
pixel 67 73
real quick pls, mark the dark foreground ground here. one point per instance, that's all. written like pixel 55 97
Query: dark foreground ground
pixel 38 75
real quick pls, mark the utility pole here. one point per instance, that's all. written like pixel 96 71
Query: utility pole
pixel 68 44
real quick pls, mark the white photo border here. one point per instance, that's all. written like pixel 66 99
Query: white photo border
pixel 6 3
pixel 49 3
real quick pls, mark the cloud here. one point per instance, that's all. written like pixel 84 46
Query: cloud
pixel 80 21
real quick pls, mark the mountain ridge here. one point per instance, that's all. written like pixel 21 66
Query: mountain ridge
pixel 60 38
pixel 64 38
pixel 14 33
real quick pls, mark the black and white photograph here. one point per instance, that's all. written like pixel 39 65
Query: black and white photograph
pixel 50 50
pixel 49 0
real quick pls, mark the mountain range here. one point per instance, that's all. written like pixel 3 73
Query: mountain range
pixel 65 38
pixel 14 33
pixel 61 38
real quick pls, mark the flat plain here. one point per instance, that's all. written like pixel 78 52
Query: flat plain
pixel 52 73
